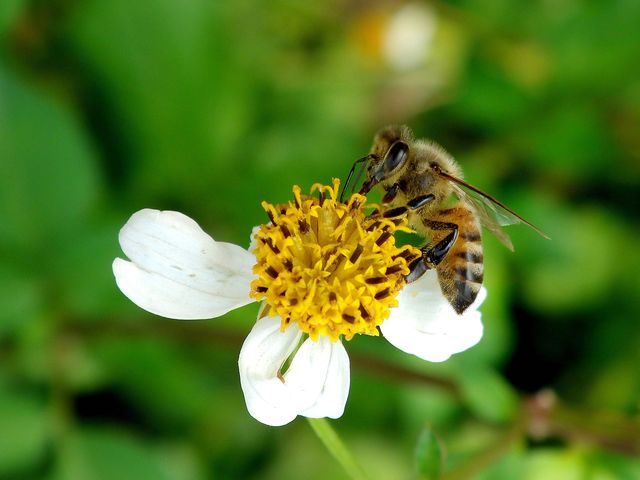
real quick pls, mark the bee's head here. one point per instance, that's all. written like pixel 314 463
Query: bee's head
pixel 389 153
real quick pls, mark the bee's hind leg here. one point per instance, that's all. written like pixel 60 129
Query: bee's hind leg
pixel 433 255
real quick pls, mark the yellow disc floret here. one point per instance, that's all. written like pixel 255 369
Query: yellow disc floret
pixel 329 266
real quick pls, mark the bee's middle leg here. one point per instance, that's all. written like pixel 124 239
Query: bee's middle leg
pixel 413 204
pixel 432 254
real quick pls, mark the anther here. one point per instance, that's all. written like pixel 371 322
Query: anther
pixel 271 245
pixel 304 226
pixel 348 318
pixel 393 269
pixel 373 226
pixel 383 238
pixel 285 231
pixel 382 294
pixel 356 254
pixel 272 272
pixel 404 254
pixel 376 280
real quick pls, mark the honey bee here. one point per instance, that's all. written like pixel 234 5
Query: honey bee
pixel 420 179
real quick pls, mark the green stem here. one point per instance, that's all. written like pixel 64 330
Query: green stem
pixel 336 447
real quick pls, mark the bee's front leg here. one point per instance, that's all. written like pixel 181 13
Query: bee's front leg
pixel 391 193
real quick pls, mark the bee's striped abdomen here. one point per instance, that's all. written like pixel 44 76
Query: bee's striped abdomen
pixel 462 270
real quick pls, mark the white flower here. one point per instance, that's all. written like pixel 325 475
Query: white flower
pixel 176 270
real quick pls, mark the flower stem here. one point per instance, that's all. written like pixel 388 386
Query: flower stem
pixel 336 447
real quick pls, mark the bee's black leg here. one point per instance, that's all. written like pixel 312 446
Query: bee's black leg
pixel 417 268
pixel 432 255
pixel 391 193
pixel 365 161
pixel 436 253
pixel 413 204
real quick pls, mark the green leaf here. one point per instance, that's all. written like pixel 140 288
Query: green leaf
pixel 487 394
pixel 555 464
pixel 429 455
pixel 157 378
pixel 609 465
pixel 20 297
pixel 23 423
pixel 171 81
pixel 557 279
pixel 101 454
pixel 48 178
pixel 581 147
pixel 83 267
pixel 9 11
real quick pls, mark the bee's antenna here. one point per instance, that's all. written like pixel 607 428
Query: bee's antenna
pixel 365 162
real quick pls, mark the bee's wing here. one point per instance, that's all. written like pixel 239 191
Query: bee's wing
pixel 492 213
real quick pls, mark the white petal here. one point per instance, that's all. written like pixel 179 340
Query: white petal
pixel 426 325
pixel 319 378
pixel 263 353
pixel 253 243
pixel 177 270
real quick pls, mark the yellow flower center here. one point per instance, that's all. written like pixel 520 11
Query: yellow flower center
pixel 329 266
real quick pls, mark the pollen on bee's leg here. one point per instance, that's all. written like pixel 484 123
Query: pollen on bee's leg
pixel 328 266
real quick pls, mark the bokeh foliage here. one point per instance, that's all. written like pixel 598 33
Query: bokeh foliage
pixel 109 106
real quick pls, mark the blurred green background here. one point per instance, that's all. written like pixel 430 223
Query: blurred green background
pixel 209 107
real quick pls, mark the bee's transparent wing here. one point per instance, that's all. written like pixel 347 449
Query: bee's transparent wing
pixel 492 213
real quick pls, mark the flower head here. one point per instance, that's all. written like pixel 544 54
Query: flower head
pixel 328 266
pixel 325 271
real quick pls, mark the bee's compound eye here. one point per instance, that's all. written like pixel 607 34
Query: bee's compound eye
pixel 396 156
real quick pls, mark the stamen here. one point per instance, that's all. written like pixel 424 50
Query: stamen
pixel 373 226
pixel 382 294
pixel 356 254
pixel 376 280
pixel 269 242
pixel 272 272
pixel 285 231
pixel 348 318
pixel 270 215
pixel 304 226
pixel 321 197
pixel 383 238
pixel 394 269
